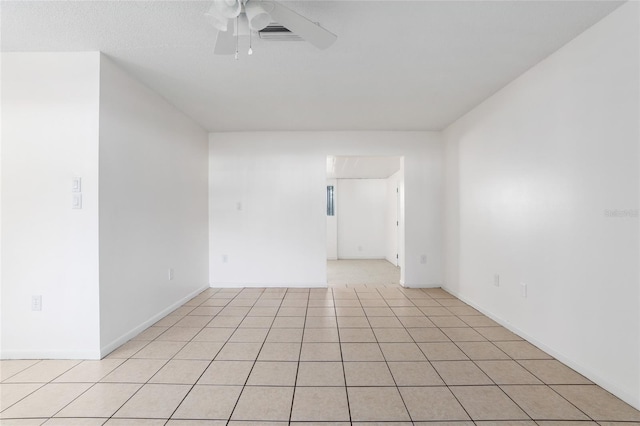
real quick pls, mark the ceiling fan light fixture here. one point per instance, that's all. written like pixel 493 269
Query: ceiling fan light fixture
pixel 218 21
pixel 258 18
pixel 228 8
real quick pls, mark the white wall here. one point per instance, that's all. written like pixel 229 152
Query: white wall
pixel 362 219
pixel 332 224
pixel 392 218
pixel 267 204
pixel 531 176
pixel 153 206
pixel 49 135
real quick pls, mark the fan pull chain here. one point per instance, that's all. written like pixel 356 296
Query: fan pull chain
pixel 237 37
pixel 250 52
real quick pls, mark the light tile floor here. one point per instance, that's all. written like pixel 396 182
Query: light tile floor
pixel 337 356
pixel 369 273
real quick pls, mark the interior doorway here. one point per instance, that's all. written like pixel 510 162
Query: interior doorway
pixel 365 211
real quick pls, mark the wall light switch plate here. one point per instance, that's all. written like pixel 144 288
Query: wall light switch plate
pixel 76 201
pixel 423 259
pixel 36 303
pixel 76 184
pixel 496 280
pixel 523 288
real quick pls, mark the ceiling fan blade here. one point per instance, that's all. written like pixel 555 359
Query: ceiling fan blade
pixel 225 43
pixel 300 25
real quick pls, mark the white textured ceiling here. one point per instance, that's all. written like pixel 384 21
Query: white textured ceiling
pixel 397 65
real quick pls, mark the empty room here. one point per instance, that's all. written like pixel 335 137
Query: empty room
pixel 320 212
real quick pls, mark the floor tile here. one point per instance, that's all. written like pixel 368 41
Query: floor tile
pixel 292 322
pixel 43 371
pixel 487 403
pixel 226 373
pixel 22 422
pixel 368 374
pixel 553 372
pixel 402 352
pixel 150 333
pixel 225 322
pixel 280 352
pixel 178 371
pixel 355 335
pixel 285 335
pixel 598 403
pixel 392 335
pixel 320 404
pixel 378 312
pixel 159 350
pixel 264 403
pixel 407 311
pixel 385 322
pixel 208 402
pixel 239 351
pixel 78 421
pixel 273 373
pixel 177 422
pixel 450 321
pixel 497 334
pixel 478 321
pixel 214 334
pixel 102 400
pixel 482 351
pixel 412 322
pixel 206 310
pixel 199 350
pixel 46 401
pixel 428 334
pixel 154 401
pixel 414 374
pixel 542 403
pixel 90 371
pixel 10 393
pixel 249 335
pixel 361 352
pixel 457 373
pixel 320 374
pixel 135 422
pixel 442 351
pixel 257 322
pixel 507 373
pixel 11 367
pixel 463 334
pixel 432 403
pixel 353 322
pixel 320 352
pixel 179 334
pixel 191 321
pixel 320 335
pixel 134 371
pixel 376 404
pixel 522 350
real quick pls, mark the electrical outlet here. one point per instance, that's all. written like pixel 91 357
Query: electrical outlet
pixel 36 303
pixel 496 280
pixel 523 288
pixel 170 274
pixel 225 258
pixel 359 248
pixel 423 259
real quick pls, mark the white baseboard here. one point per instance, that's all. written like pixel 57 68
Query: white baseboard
pixel 594 376
pixel 110 347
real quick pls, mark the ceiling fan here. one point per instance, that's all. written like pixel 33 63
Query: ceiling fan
pixel 253 16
